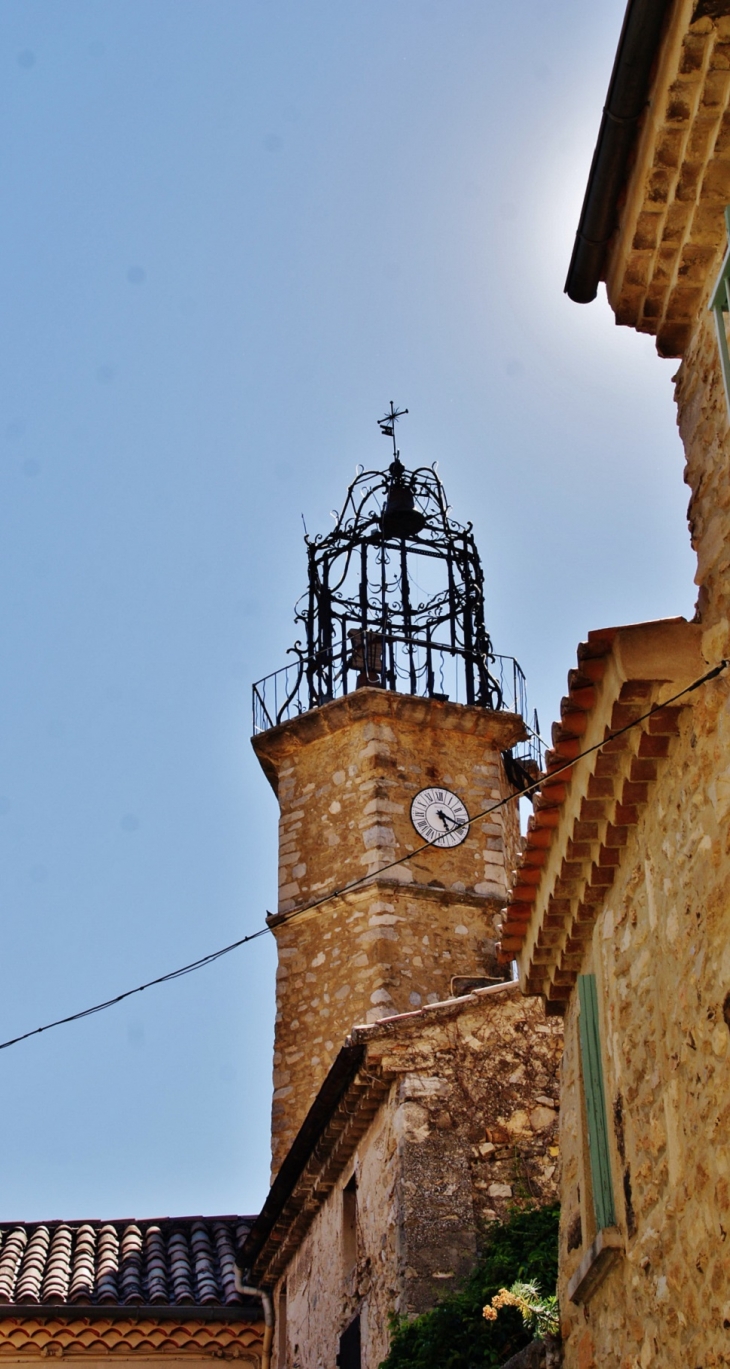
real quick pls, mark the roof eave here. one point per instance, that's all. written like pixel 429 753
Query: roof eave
pixel 584 813
pixel 180 1313
pixel 335 1086
pixel 625 104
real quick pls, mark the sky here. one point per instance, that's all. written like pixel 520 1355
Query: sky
pixel 233 231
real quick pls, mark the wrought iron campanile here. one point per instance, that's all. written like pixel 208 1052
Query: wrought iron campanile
pixel 395 600
pixel 394 714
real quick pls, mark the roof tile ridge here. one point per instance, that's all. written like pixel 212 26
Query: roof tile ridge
pixel 52 1223
pixel 620 774
pixel 581 699
pixel 363 1032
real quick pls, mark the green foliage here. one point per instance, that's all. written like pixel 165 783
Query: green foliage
pixel 455 1334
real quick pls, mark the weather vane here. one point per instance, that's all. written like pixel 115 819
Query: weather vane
pixel 387 425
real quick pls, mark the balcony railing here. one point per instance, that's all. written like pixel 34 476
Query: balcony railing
pixel 405 665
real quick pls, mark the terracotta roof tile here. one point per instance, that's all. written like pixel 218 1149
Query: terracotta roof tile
pixel 582 816
pixel 173 1261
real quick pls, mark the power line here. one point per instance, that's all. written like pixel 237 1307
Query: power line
pixel 501 803
pixel 119 998
pixel 363 879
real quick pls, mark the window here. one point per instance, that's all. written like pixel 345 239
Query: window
pixel 349 1355
pixel 349 1226
pixel 595 1098
pixel 720 306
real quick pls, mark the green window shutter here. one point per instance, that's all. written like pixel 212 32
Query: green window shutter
pixel 590 1050
pixel 720 306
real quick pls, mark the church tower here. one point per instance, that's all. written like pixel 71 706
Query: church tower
pixel 391 731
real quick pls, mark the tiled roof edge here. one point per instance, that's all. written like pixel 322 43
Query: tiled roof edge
pixel 181 1313
pixel 341 1075
pixel 52 1222
pixel 167 1264
pixel 344 1126
pixel 581 817
pixel 413 1021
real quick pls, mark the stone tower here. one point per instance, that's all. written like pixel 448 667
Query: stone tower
pixel 369 761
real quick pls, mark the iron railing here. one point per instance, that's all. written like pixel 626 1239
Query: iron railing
pixel 425 668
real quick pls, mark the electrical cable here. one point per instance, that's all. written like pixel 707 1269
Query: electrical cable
pixel 364 879
pixel 501 803
pixel 119 998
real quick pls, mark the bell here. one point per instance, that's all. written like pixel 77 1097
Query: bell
pixel 400 517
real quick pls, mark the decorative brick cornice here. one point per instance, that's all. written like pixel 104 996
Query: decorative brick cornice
pixel 34 1336
pixel 583 815
pixel 671 231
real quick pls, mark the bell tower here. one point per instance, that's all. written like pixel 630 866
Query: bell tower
pixel 393 727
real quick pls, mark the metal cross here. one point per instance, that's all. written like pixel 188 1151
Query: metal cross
pixel 387 424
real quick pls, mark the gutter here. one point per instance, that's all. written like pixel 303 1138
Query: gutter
pixel 626 101
pixel 246 1290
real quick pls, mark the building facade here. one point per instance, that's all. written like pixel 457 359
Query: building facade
pixel 620 913
pixel 415 1091
pixel 415 1094
pixel 131 1293
pixel 432 1125
pixel 346 775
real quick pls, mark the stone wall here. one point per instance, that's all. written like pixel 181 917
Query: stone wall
pixel 323 1294
pixel 468 1129
pixel 345 776
pixel 661 954
pixel 660 947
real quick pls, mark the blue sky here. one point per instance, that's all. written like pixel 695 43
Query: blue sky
pixel 233 230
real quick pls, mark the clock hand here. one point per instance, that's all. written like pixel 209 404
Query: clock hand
pixel 446 818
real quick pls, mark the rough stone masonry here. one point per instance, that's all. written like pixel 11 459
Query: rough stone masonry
pixel 450 1119
pixel 657 939
pixel 345 775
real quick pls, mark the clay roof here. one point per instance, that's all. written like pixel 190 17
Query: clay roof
pixel 671 230
pixel 170 1262
pixel 582 817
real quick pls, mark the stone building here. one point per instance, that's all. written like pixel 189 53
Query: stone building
pixel 132 1293
pixel 619 916
pixel 431 1125
pixel 345 775
pixel 415 1091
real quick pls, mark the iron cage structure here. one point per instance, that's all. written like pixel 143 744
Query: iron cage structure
pixel 395 600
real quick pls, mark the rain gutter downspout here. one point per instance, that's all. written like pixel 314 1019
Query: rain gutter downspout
pixel 251 1292
pixel 625 103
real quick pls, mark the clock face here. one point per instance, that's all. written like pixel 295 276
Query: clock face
pixel 440 817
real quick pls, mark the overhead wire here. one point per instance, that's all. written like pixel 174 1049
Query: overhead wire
pixel 280 919
pixel 119 998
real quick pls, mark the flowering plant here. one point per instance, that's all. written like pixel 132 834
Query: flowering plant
pixel 539 1314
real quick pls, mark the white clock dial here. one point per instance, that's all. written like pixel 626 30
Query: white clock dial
pixel 440 817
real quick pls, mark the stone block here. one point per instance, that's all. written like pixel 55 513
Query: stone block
pixel 348 778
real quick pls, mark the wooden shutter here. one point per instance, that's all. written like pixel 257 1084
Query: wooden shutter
pixel 590 1050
